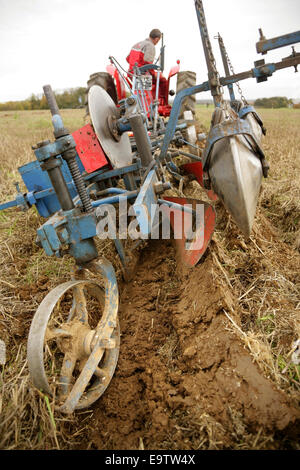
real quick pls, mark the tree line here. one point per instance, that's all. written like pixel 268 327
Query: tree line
pixel 70 98
pixel 274 102
pixel 75 98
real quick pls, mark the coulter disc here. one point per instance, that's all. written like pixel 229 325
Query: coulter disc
pixel 102 107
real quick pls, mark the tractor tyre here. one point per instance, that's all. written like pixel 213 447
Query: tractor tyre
pixel 186 79
pixel 106 81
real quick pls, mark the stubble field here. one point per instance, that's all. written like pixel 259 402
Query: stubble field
pixel 205 358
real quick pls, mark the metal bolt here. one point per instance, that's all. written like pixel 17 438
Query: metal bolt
pixel 43 143
pixel 160 187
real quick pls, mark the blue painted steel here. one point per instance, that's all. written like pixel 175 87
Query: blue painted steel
pixel 172 165
pixel 142 206
pixel 112 191
pixel 266 45
pixel 231 92
pixel 83 251
pixel 174 205
pixel 58 123
pixel 266 70
pixel 54 149
pixel 263 71
pixel 145 68
pixel 123 126
pixel 227 129
pixel 246 110
pixel 172 122
pixel 41 192
pixel 80 225
pixel 52 237
pixel 38 183
pixel 70 228
pixel 114 199
pixel 47 238
pixel 100 175
pixel 7 205
pixel 170 168
pixel 19 201
pixel 250 109
pixel 58 147
pixel 76 229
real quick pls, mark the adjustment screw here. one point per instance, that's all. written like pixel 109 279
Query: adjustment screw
pixel 43 143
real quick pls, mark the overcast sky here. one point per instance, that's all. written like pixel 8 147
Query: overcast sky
pixel 61 42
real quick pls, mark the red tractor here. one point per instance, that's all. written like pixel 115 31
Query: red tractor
pixel 164 108
pixel 154 98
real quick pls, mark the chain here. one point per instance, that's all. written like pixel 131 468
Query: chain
pixel 205 36
pixel 232 71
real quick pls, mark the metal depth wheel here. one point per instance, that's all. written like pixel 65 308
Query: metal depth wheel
pixel 70 346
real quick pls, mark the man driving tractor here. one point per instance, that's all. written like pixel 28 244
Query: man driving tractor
pixel 143 53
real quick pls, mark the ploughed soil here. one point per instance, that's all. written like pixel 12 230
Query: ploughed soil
pixel 188 374
pixel 185 379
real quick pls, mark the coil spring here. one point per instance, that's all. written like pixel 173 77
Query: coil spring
pixel 77 178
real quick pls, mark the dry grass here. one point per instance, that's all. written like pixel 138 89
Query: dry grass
pixel 26 417
pixel 263 274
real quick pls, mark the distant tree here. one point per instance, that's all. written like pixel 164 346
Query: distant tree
pixel 43 103
pixel 34 102
pixel 69 98
pixel 274 102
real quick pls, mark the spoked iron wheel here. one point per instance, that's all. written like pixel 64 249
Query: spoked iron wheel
pixel 74 340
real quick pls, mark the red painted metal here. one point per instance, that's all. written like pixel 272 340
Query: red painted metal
pixel 121 91
pixel 89 149
pixel 196 168
pixel 190 257
pixel 164 109
pixel 174 70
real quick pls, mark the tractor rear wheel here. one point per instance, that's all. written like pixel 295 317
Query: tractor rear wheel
pixel 186 79
pixel 106 81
